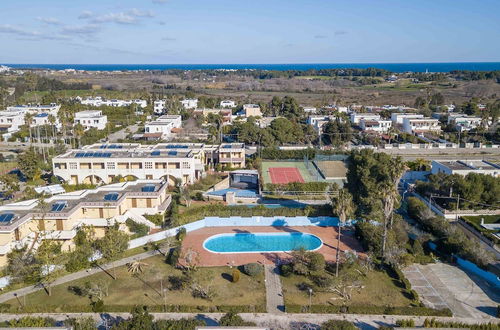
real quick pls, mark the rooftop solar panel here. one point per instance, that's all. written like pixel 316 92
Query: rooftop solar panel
pixel 148 188
pixel 155 153
pixel 58 206
pixel 172 153
pixel 6 217
pixel 111 197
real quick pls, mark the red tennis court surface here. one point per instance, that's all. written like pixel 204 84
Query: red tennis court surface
pixel 283 175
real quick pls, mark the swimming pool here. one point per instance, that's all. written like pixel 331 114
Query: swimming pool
pixel 261 242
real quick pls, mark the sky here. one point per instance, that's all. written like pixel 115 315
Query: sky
pixel 248 31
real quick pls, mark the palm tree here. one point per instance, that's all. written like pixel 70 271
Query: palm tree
pixel 136 267
pixel 28 120
pixel 344 208
pixel 52 121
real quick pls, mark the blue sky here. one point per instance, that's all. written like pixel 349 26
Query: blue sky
pixel 249 31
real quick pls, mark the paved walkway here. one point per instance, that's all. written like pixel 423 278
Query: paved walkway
pixel 274 292
pixel 443 285
pixel 266 320
pixel 75 276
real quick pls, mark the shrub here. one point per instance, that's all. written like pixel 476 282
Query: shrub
pixel 236 275
pixel 338 325
pixel 316 261
pixel 323 281
pixel 31 322
pixel 252 269
pixel 139 229
pixel 97 306
pixel 181 234
pixel 234 320
pixel 173 256
pixel 407 323
pixel 179 282
pixel 286 270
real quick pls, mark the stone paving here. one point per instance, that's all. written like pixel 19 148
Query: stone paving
pixel 274 293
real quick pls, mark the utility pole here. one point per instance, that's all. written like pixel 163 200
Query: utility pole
pixel 458 203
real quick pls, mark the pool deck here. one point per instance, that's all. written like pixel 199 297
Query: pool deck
pixel 194 240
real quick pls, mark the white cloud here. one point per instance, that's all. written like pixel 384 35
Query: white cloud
pixel 131 16
pixel 10 29
pixel 159 1
pixel 49 20
pixel 87 29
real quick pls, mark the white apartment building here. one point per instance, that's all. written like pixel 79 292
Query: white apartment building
pixel 101 163
pixel 421 125
pixel 356 117
pixel 99 101
pixel 43 118
pixel 318 121
pixel 10 122
pixel 464 167
pixel 464 123
pixel 398 118
pixel 379 126
pixel 310 109
pixel 91 119
pixel 163 125
pixel 159 106
pixel 227 104
pixel 252 110
pixel 189 103
pixel 36 108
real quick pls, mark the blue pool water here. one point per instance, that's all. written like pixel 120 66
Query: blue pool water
pixel 261 242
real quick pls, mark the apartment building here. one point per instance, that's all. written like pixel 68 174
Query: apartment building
pixel 99 101
pixel 227 114
pixel 464 123
pixel 357 116
pixel 252 110
pixel 378 126
pixel 421 125
pixel 44 118
pixel 52 108
pixel 159 106
pixel 398 118
pixel 27 223
pixel 91 119
pixel 10 122
pixel 227 104
pixel 464 167
pixel 189 103
pixel 163 125
pixel 102 163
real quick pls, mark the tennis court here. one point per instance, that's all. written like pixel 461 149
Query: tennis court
pixel 332 169
pixel 283 175
pixel 307 174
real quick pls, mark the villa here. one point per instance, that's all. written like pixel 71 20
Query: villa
pixel 421 125
pixel 378 126
pixel 163 126
pixel 91 119
pixel 189 103
pixel 356 117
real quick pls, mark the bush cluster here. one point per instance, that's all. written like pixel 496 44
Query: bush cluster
pixel 253 269
pixel 368 309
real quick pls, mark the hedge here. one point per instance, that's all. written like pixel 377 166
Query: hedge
pixel 298 186
pixel 367 309
pixel 309 153
pixel 483 231
pixel 47 308
pixel 398 274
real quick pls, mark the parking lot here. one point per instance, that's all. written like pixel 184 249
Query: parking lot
pixel 442 285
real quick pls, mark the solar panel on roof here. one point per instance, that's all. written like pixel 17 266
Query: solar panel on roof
pixel 106 154
pixel 172 153
pixel 148 188
pixel 102 147
pixel 6 217
pixel 58 206
pixel 155 153
pixel 176 146
pixel 111 197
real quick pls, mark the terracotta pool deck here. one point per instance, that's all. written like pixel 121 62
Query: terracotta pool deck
pixel 194 240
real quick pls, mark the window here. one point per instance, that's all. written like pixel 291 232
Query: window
pixel 73 166
pixel 110 166
pixel 185 165
pixel 148 165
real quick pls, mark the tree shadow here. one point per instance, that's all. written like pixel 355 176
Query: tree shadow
pixel 239 231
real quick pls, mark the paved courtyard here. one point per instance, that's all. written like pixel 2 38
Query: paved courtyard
pixel 442 285
pixel 194 240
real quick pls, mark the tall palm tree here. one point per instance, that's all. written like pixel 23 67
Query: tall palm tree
pixel 136 267
pixel 52 121
pixel 28 118
pixel 344 208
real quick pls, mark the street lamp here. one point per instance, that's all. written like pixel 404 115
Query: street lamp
pixel 310 298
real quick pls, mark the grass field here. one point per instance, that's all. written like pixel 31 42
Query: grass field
pixel 379 290
pixel 6 167
pixel 129 290
pixel 332 168
pixel 309 175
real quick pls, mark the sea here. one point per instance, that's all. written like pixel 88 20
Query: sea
pixel 393 67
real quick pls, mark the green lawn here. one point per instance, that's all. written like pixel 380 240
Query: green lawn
pixel 379 290
pixel 129 290
pixel 487 219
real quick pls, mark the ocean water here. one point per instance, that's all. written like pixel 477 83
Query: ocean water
pixel 394 67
